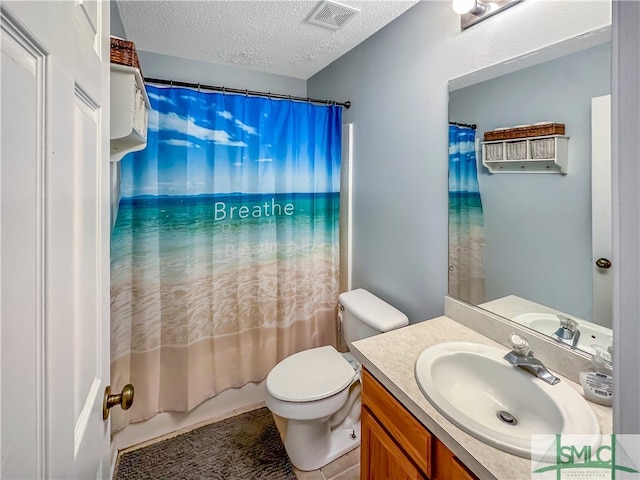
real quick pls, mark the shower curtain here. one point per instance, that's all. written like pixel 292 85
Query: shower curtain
pixel 466 230
pixel 225 248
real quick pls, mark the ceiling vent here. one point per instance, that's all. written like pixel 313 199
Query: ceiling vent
pixel 332 15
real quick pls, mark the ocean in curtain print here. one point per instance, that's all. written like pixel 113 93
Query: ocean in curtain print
pixel 228 229
pixel 466 227
pixel 467 205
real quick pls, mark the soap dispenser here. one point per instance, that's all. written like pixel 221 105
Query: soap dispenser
pixel 598 381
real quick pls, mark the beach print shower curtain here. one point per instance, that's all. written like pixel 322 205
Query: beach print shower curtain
pixel 466 228
pixel 225 248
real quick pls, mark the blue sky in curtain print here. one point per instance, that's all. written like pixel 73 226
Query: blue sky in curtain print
pixel 463 172
pixel 207 142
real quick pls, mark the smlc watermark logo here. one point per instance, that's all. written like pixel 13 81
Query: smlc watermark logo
pixel 562 457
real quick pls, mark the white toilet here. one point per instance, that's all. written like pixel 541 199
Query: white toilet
pixel 318 390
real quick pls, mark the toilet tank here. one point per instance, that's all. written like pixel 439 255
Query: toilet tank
pixel 363 315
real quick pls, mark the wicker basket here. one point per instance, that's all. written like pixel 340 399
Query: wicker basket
pixel 516 150
pixel 523 132
pixel 123 52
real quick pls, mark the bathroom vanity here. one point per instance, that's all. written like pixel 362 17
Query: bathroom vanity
pixel 396 445
pixel 403 435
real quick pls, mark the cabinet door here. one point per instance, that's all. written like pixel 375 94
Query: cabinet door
pixel 410 434
pixel 447 466
pixel 459 472
pixel 382 459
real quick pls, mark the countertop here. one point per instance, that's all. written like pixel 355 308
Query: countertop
pixel 391 357
pixel 511 306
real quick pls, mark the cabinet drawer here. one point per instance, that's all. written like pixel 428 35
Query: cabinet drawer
pixel 414 438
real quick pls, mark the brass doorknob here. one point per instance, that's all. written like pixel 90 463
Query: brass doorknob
pixel 124 399
pixel 603 263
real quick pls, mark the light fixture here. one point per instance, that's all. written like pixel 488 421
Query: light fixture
pixel 469 6
pixel 474 11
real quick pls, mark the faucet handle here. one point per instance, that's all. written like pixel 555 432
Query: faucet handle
pixel 568 323
pixel 519 344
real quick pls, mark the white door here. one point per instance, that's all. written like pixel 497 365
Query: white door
pixel 601 210
pixel 54 239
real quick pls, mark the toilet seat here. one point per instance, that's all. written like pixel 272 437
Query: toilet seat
pixel 310 375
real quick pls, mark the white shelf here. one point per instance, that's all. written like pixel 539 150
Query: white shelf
pixel 548 154
pixel 129 111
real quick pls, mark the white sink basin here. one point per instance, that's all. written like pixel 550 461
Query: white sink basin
pixel 473 386
pixel 548 324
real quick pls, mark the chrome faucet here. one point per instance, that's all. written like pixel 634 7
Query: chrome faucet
pixel 568 332
pixel 521 356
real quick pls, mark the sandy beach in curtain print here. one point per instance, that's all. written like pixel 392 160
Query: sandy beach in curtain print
pixel 192 247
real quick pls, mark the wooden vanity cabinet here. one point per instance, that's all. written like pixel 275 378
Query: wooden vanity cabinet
pixel 396 446
pixel 382 458
pixel 448 466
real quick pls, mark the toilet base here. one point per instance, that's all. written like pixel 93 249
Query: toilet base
pixel 319 445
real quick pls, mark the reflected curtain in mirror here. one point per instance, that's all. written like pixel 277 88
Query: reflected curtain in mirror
pixel 225 250
pixel 466 230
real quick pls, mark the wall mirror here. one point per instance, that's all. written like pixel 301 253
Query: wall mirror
pixel 527 244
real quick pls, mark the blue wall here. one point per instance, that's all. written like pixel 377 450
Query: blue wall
pixel 155 65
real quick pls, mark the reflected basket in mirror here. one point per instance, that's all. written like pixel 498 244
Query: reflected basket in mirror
pixel 516 150
pixel 546 128
pixel 543 148
pixel 494 152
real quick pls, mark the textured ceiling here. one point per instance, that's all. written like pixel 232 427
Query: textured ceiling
pixel 267 36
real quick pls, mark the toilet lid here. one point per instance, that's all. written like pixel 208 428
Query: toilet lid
pixel 310 375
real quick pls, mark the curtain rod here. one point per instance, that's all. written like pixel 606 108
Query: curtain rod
pixel 470 125
pixel 245 92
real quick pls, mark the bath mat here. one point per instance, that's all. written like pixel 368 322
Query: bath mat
pixel 243 447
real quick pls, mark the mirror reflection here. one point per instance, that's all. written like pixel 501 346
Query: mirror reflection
pixel 529 229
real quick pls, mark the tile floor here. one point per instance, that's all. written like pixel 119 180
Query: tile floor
pixel 347 467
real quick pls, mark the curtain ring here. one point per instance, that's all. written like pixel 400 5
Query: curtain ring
pixel 269 95
pixel 223 90
pixel 198 87
pixel 171 83
pixel 246 92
